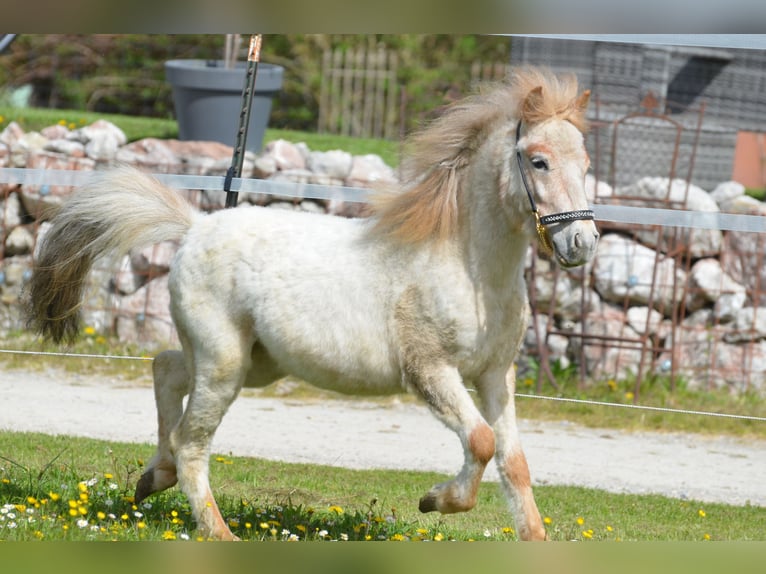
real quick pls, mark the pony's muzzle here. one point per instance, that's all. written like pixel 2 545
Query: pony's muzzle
pixel 574 243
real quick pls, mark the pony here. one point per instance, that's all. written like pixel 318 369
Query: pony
pixel 426 294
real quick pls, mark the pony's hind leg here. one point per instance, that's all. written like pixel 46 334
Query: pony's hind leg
pixel 496 389
pixel 219 365
pixel 171 384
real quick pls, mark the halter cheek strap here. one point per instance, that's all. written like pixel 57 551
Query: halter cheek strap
pixel 541 222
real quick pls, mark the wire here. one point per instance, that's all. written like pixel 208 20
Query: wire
pixel 643 407
pixel 75 355
pixel 521 395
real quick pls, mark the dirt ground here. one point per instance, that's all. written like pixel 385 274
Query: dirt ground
pixel 398 435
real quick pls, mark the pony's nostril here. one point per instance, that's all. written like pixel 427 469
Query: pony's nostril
pixel 578 240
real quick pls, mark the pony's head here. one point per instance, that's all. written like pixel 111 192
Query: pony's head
pixel 528 130
pixel 552 162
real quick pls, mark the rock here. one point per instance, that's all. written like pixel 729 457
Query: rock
pixel 334 163
pixel 369 169
pixel 20 241
pixel 102 139
pixel 66 147
pixel 594 190
pixel 646 321
pixel 150 154
pixel 608 361
pixel 709 283
pixel 743 261
pixel 11 134
pixel 204 157
pixel 56 132
pixel 285 155
pixel 749 325
pixel 623 270
pixel 655 192
pixel 11 211
pixel 726 192
pixel 41 201
pixel 144 316
pixel 706 361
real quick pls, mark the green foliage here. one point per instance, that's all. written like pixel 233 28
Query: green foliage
pixel 124 73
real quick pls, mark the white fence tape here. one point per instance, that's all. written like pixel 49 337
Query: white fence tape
pixel 612 213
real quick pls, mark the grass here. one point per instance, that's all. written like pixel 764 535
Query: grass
pixel 135 128
pixel 61 488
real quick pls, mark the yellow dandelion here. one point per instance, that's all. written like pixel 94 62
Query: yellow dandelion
pixel 609 528
pixel 108 475
pixel 62 122
pixel 141 525
pixel 547 520
pixel 702 513
pixel 53 496
pixel 397 537
pixel 706 537
pixel 508 530
pixel 612 384
pixel 629 396
pixel 587 533
pixel 438 537
pixel 82 487
pixel 336 509
pixel 73 512
pixel 6 481
pixel 101 515
pixel 580 520
pixel 263 525
pixel 32 500
pixel 72 125
pixel 89 331
pixel 168 535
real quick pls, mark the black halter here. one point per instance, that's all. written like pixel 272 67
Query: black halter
pixel 541 222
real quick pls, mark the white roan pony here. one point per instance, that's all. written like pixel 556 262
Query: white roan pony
pixel 427 294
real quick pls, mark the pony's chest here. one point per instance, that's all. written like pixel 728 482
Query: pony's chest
pixel 488 331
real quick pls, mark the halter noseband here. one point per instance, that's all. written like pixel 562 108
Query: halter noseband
pixel 541 222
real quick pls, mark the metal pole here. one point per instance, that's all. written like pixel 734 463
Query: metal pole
pixel 238 158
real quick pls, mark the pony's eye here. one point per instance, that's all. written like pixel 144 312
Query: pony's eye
pixel 539 163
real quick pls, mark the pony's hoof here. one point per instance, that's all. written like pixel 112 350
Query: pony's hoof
pixel 428 503
pixel 144 486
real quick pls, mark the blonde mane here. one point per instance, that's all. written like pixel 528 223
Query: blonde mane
pixel 432 173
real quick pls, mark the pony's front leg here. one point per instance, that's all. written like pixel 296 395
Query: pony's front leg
pixel 496 389
pixel 443 390
pixel 171 384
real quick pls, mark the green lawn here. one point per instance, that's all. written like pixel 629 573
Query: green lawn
pixel 60 488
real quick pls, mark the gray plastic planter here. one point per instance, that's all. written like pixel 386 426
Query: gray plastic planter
pixel 208 99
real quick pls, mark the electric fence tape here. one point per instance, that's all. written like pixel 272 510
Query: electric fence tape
pixel 612 213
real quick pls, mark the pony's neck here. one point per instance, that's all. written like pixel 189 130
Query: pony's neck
pixel 494 227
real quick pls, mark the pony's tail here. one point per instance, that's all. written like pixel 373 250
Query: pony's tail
pixel 118 210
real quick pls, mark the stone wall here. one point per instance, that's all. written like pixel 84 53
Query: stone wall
pixel 659 299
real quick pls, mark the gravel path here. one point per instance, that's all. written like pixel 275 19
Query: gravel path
pixel 364 434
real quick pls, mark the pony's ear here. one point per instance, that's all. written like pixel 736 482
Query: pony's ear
pixel 532 104
pixel 582 101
